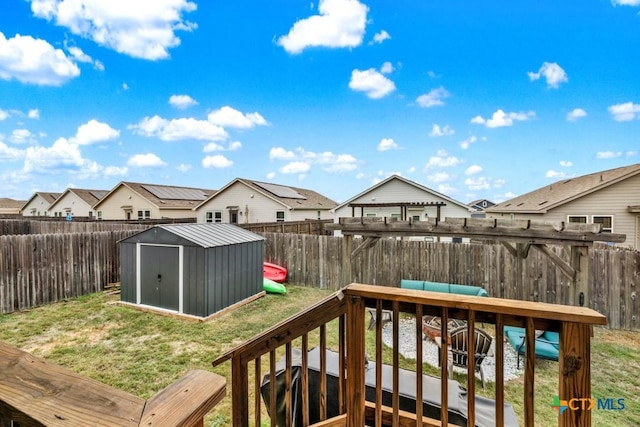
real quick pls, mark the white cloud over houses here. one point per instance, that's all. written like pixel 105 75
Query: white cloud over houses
pixel 3 115
pixel 566 163
pixel 373 83
pixel 79 56
pixel 230 117
pixel 625 112
pixel 328 161
pixel 387 144
pixel 34 114
pixel 554 174
pixel 179 129
pixel 575 114
pixel 115 171
pixel 34 61
pixel 295 167
pixel 22 136
pixel 182 101
pixel 442 160
pixel 93 132
pixel 10 153
pixel 217 161
pixel 608 154
pixel 502 119
pixel 433 98
pixel 473 169
pixel 478 183
pixel 142 29
pixel 552 72
pixel 147 160
pixel 339 23
pixel 381 36
pixel 467 142
pixel 279 153
pixel 439 177
pixel 437 131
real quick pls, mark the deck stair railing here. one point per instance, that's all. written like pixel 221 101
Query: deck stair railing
pixel 350 305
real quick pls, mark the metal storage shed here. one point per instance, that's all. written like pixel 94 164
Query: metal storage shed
pixel 194 269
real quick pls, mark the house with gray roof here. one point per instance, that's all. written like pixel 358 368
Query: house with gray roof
pixel 133 200
pixel 244 201
pixel 610 198
pixel 10 206
pixel 76 202
pixel 38 204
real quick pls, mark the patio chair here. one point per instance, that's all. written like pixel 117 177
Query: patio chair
pixel 459 349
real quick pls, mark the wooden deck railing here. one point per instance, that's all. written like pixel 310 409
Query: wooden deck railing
pixel 34 392
pixel 349 306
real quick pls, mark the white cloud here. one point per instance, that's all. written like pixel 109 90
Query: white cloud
pixel 437 131
pixel 34 61
pixel 442 160
pixel 280 154
pixel 566 163
pixel 125 86
pixel 467 142
pixel 433 98
pixel 608 154
pixel 371 82
pixel 439 177
pixel 182 101
pixel 218 161
pixel 631 153
pixel 576 114
pixel 141 29
pixel 381 36
pixel 22 136
pixel 3 115
pixel 79 56
pixel 387 144
pixel 625 112
pixel 295 167
pixel 479 183
pixel 183 167
pixel 145 161
pixel 552 72
pixel 387 68
pixel 360 175
pixel 554 174
pixel 10 153
pixel 179 129
pixel 115 171
pixel 212 146
pixel 271 175
pixel 34 114
pixel 412 169
pixel 473 169
pixel 94 131
pixel 497 183
pixel 230 117
pixel 340 23
pixel 62 153
pixel 625 2
pixel 446 189
pixel 502 119
pixel 235 145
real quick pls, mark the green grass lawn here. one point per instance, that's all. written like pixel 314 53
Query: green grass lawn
pixel 141 352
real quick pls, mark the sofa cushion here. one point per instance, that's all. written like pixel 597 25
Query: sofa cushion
pixel 449 288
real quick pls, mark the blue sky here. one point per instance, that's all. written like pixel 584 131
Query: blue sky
pixel 475 99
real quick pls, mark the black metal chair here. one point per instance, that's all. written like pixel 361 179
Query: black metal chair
pixel 460 349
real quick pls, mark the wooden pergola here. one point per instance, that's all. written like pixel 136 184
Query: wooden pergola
pixel 404 207
pixel 518 236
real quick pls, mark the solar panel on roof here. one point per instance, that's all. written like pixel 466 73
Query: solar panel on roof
pixel 175 193
pixel 280 190
pixel 98 194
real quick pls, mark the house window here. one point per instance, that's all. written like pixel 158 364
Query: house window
pixel 370 215
pixel 208 216
pixel 318 214
pixel 140 215
pixel 99 215
pixel 147 214
pixel 280 216
pixel 90 214
pixel 580 219
pixel 606 221
pixel 217 216
pixel 416 217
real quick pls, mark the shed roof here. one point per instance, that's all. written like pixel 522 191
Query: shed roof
pixel 209 235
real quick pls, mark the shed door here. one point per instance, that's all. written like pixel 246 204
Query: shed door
pixel 160 276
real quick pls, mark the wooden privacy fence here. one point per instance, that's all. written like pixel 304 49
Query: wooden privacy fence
pixel 317 261
pixel 309 226
pixel 27 226
pixel 39 269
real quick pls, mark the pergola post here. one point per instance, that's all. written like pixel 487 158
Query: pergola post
pixel 347 248
pixel 579 293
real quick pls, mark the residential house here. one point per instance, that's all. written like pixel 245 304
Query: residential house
pixel 398 197
pixel 610 197
pixel 132 201
pixel 10 206
pixel 38 204
pixel 478 207
pixel 76 202
pixel 244 201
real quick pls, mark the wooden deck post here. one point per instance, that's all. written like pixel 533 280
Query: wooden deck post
pixel 355 362
pixel 575 375
pixel 239 392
